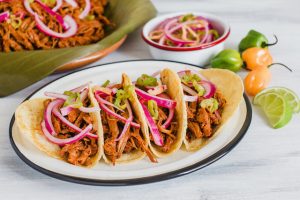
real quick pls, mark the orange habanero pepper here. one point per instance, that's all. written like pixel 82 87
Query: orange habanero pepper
pixel 257 58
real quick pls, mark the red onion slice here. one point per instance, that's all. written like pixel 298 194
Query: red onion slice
pixel 56 95
pixel 66 110
pixel 190 98
pixel 171 112
pixel 4 16
pixel 27 6
pixel 58 17
pixel 82 87
pixel 166 103
pixel 192 71
pixel 168 33
pixel 47 114
pixel 153 128
pixel 128 121
pixel 101 100
pixel 72 3
pixel 113 114
pixel 86 9
pixel 84 94
pixel 61 142
pixel 89 109
pixel 67 19
pixel 169 119
pixel 58 5
pixel 189 90
pixel 69 124
pixel 157 90
pixel 210 89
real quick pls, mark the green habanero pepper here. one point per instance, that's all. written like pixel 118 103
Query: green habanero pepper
pixel 255 39
pixel 227 59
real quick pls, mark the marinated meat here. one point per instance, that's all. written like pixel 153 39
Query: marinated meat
pixel 80 152
pixel 204 120
pixel 129 142
pixel 167 145
pixel 195 129
pixel 202 123
pixel 73 115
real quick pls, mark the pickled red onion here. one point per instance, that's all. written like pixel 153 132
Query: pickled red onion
pixel 45 29
pixel 59 141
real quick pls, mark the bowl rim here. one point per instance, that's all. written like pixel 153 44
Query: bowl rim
pixel 203 46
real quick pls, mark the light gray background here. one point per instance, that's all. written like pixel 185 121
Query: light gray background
pixel 266 163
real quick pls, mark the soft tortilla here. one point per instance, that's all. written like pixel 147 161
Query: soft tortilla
pixel 29 116
pixel 136 107
pixel 171 80
pixel 231 87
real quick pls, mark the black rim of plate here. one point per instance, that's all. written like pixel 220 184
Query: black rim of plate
pixel 123 182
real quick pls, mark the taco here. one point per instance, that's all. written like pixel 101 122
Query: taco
pixel 162 105
pixel 125 134
pixel 211 97
pixel 65 126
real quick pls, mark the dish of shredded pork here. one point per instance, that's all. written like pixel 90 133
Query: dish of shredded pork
pixel 46 24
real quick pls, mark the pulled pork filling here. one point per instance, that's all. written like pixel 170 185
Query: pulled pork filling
pixel 168 134
pixel 130 142
pixel 201 122
pixel 80 152
pixel 26 36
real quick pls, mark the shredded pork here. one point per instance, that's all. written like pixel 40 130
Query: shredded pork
pixel 82 151
pixel 202 123
pixel 130 142
pixel 27 36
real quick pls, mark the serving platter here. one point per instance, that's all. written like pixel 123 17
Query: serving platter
pixel 143 171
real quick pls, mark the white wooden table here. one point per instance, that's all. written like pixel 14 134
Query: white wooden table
pixel 266 163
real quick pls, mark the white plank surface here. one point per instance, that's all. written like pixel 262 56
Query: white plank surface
pixel 266 163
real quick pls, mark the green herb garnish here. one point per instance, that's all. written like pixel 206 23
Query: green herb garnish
pixel 188 78
pixel 90 17
pixel 146 80
pixel 73 99
pixel 210 104
pixel 199 88
pixel 186 17
pixel 215 33
pixel 122 95
pixel 105 84
pixel 153 109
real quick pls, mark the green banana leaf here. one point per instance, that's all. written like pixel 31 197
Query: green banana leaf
pixel 21 69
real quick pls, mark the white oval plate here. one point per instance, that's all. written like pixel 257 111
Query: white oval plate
pixel 142 171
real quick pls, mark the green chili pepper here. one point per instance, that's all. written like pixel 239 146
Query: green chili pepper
pixel 188 78
pixel 186 17
pixel 122 95
pixel 227 59
pixel 105 84
pixel 146 80
pixel 215 33
pixel 73 99
pixel 210 104
pixel 90 17
pixel 153 109
pixel 255 39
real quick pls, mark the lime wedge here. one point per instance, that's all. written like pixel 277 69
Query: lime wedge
pixel 276 107
pixel 290 96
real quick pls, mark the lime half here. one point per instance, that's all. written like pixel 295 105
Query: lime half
pixel 290 96
pixel 276 107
